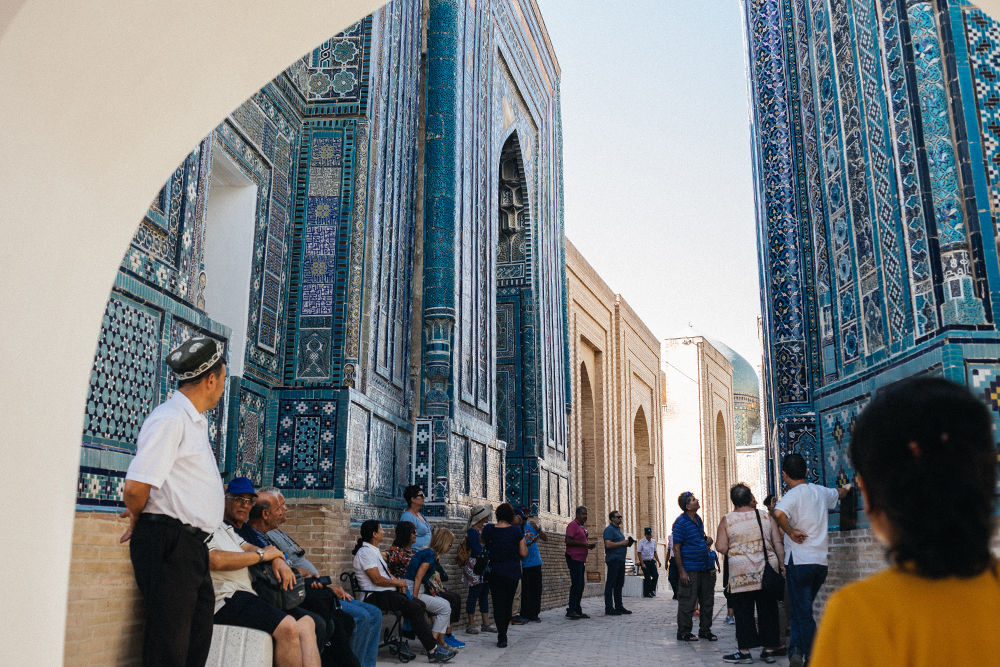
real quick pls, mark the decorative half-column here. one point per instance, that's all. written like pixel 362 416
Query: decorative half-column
pixel 961 304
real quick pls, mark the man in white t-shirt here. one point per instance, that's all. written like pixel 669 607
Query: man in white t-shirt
pixel 237 604
pixel 802 514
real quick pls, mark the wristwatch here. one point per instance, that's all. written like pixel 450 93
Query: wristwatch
pixel 260 552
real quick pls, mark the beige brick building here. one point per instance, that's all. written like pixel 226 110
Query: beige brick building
pixel 698 425
pixel 615 453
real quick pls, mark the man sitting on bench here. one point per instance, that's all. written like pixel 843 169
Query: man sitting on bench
pixel 236 603
pixel 354 637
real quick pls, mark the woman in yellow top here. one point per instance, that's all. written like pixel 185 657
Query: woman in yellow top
pixel 926 464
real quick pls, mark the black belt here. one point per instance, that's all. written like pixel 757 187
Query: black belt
pixel 200 534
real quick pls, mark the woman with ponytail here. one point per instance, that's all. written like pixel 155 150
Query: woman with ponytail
pixel 926 464
pixel 389 593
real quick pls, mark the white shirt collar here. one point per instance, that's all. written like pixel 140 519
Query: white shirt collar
pixel 188 406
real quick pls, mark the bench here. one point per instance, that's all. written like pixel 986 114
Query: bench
pixel 240 647
pixel 392 636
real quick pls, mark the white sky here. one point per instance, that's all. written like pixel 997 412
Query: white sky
pixel 656 159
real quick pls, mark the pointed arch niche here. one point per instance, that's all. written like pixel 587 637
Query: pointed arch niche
pixel 645 476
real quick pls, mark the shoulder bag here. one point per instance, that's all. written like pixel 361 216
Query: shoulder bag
pixel 482 567
pixel 268 588
pixel 771 581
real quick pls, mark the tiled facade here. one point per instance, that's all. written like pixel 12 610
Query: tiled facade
pixel 403 315
pixel 874 164
pixel 699 415
pixel 616 451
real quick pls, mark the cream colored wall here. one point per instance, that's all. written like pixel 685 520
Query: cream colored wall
pixel 698 386
pixel 609 338
pixel 101 102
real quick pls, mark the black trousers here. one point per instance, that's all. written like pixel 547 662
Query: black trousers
pixel 673 575
pixel 576 578
pixel 414 610
pixel 336 650
pixel 650 576
pixel 531 592
pixel 171 570
pixel 503 589
pixel 763 632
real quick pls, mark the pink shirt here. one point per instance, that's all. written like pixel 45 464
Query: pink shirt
pixel 577 531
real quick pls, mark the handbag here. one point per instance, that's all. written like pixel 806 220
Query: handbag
pixel 482 566
pixel 268 588
pixel 771 581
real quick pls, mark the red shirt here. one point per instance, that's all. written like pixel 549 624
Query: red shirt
pixel 577 531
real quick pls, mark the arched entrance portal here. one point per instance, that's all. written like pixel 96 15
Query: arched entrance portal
pixel 723 469
pixel 645 476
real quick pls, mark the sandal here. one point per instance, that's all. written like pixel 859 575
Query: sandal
pixel 709 636
pixel 687 638
pixel 472 630
pixel 489 628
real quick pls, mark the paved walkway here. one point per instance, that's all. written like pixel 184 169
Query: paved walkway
pixel 647 637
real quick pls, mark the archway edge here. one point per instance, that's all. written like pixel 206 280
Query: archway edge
pixel 101 103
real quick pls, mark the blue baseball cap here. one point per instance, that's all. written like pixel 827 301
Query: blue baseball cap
pixel 240 485
pixel 521 512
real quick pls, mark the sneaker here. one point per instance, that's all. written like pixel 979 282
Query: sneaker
pixel 768 656
pixel 535 620
pixel 440 654
pixel 471 630
pixel 796 660
pixel 697 613
pixel 730 620
pixel 517 620
pixel 738 658
pixel 451 641
pixel 405 651
pixel 489 628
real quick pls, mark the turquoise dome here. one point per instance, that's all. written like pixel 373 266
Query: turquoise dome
pixel 744 376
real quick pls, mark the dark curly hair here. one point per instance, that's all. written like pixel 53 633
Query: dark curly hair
pixel 916 439
pixel 505 512
pixel 404 531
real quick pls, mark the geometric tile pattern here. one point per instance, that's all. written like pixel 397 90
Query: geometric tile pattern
pixel 100 487
pixel 925 318
pixel 306 444
pixel 123 381
pixel 250 439
pixel 983 38
pixel 984 381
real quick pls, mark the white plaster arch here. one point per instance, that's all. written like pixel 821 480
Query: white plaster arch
pixel 101 102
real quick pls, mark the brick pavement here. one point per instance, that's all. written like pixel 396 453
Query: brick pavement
pixel 647 637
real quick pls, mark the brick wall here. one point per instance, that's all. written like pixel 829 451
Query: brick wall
pixel 857 554
pixel 104 609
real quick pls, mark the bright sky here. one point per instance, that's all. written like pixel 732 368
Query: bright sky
pixel 656 159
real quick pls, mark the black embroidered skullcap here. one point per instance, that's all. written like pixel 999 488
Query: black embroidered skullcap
pixel 194 356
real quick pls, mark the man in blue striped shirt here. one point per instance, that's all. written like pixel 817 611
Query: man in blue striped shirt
pixel 697 575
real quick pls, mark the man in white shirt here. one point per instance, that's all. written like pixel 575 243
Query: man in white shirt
pixel 802 514
pixel 173 495
pixel 649 562
pixel 236 603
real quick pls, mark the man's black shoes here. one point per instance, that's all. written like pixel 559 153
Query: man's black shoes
pixel 612 612
pixel 623 610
